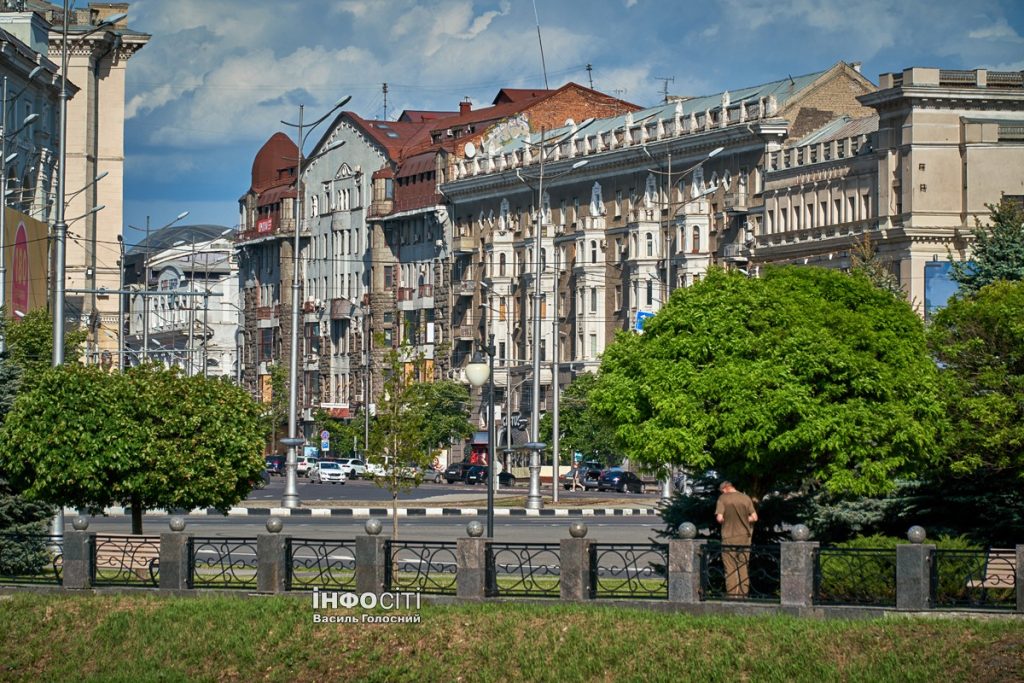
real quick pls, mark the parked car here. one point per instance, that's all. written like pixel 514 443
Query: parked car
pixel 589 473
pixel 261 481
pixel 413 471
pixel 304 464
pixel 374 469
pixel 704 484
pixel 477 474
pixel 457 471
pixel 327 471
pixel 354 467
pixel 275 464
pixel 620 480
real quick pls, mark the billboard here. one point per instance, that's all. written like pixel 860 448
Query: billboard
pixel 25 252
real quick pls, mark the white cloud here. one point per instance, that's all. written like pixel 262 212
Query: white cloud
pixel 997 31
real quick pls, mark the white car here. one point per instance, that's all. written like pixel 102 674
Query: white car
pixel 353 467
pixel 305 464
pixel 327 471
pixel 374 469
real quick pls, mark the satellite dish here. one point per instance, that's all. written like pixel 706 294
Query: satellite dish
pixel 470 150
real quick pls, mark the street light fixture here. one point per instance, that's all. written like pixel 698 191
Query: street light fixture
pixel 478 372
pixel 290 499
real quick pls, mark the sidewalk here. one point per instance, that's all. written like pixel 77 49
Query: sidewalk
pixel 464 504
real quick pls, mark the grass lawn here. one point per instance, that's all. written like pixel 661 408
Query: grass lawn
pixel 148 637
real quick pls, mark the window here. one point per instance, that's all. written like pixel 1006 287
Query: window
pixel 501 308
pixel 593 346
pixel 502 358
pixel 851 208
pixel 810 215
pixel 618 297
pixel 267 344
pixel 823 207
pixel 695 248
pixel 543 350
pixel 650 292
pixel 618 203
pixel 501 264
pixel 865 206
pixel 650 244
pixel 593 251
pixel 389 277
pixel 837 211
pixel 593 299
pixel 783 219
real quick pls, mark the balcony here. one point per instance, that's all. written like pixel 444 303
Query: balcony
pixel 404 297
pixel 426 290
pixel 465 288
pixel 466 332
pixel 463 245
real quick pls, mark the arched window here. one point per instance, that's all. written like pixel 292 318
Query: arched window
pixel 696 239
pixel 543 260
pixel 650 244
pixel 593 251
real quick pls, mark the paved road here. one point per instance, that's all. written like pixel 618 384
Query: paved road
pixel 364 490
pixel 543 529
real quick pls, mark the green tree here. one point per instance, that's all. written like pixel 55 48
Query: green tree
pixel 803 376
pixel 583 429
pixel 998 250
pixel 277 407
pixel 864 259
pixel 145 438
pixel 398 431
pixel 344 432
pixel 979 340
pixel 445 405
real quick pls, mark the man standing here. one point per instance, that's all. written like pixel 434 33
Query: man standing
pixel 735 512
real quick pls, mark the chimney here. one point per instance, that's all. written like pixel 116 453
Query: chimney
pixel 465 106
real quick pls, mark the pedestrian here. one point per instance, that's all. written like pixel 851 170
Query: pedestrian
pixel 576 478
pixel 735 512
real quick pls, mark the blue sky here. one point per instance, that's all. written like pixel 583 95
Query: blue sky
pixel 218 76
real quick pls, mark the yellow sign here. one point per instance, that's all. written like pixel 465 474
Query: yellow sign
pixel 25 254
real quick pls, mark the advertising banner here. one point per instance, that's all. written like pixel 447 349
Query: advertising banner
pixel 25 252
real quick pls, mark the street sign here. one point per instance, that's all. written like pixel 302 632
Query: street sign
pixel 641 318
pixel 325 445
pixel 325 435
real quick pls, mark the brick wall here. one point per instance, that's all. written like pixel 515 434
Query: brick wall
pixel 577 104
pixel 834 97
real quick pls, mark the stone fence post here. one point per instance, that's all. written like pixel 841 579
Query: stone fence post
pixel 684 569
pixel 77 569
pixel 176 556
pixel 371 560
pixel 796 560
pixel 1018 577
pixel 574 558
pixel 272 559
pixel 471 567
pixel 914 572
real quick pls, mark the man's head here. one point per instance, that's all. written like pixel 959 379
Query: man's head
pixel 726 487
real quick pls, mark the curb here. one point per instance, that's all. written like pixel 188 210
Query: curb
pixel 386 512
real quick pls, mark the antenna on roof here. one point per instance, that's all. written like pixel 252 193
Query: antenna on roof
pixel 543 66
pixel 385 101
pixel 590 75
pixel 664 87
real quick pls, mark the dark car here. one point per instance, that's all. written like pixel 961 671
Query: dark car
pixel 456 472
pixel 621 481
pixel 275 464
pixel 477 474
pixel 589 472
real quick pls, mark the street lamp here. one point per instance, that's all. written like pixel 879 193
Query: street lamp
pixel 290 499
pixel 478 372
pixel 534 500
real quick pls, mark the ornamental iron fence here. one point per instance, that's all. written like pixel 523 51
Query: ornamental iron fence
pixel 524 570
pixel 984 579
pixel 317 563
pixel 855 576
pixel 31 558
pixel 125 560
pixel 427 567
pixel 223 562
pixel 740 572
pixel 629 570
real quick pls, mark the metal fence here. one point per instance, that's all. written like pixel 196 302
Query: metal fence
pixel 974 578
pixel 125 560
pixel 629 570
pixel 524 569
pixel 427 567
pixel 223 562
pixel 31 558
pixel 855 576
pixel 316 563
pixel 740 572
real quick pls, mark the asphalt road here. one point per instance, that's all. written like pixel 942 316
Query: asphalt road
pixel 637 529
pixel 365 490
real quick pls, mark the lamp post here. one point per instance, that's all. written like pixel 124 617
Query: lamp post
pixel 60 226
pixel 478 372
pixel 290 499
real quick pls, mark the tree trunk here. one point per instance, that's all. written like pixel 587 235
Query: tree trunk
pixel 136 515
pixel 394 514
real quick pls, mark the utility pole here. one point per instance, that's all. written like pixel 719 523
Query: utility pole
pixel 385 89
pixel 590 75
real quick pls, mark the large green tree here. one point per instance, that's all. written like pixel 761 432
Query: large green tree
pixel 446 407
pixel 582 429
pixel 145 438
pixel 979 341
pixel 998 250
pixel 806 376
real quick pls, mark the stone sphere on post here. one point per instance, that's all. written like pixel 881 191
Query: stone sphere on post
pixel 373 526
pixel 916 534
pixel 688 531
pixel 176 523
pixel 799 532
pixel 80 523
pixel 475 529
pixel 274 525
pixel 578 530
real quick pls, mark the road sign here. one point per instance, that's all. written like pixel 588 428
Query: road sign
pixel 641 318
pixel 325 445
pixel 325 435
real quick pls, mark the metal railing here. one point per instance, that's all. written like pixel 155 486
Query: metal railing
pixel 974 579
pixel 428 567
pixel 125 560
pixel 524 570
pixel 629 570
pixel 31 558
pixel 855 576
pixel 223 562
pixel 316 563
pixel 740 572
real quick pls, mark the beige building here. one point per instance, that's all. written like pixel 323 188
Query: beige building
pixel 95 146
pixel 912 177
